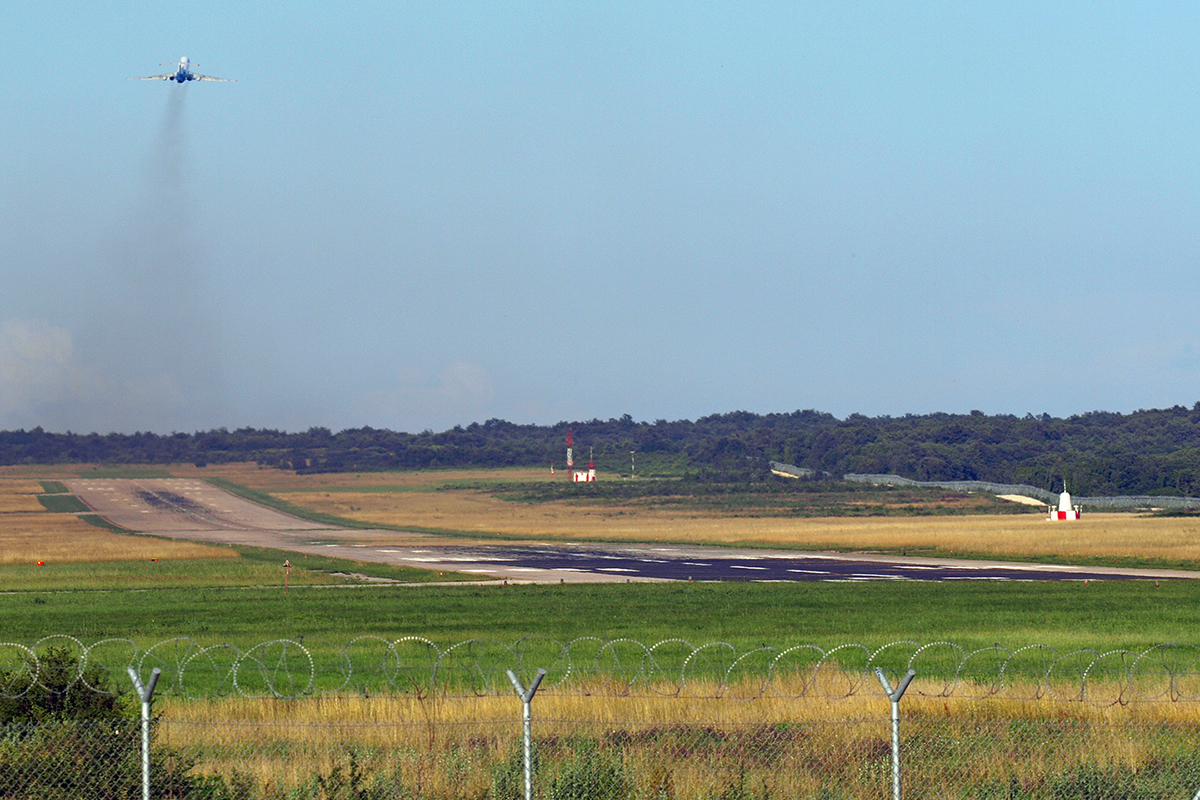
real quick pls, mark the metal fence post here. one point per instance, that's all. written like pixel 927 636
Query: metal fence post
pixel 145 693
pixel 894 695
pixel 526 696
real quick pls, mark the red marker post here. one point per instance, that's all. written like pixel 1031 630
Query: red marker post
pixel 287 571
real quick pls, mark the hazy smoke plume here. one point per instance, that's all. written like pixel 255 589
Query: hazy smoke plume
pixel 39 374
pixel 154 341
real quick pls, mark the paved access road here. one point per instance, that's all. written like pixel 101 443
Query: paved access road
pixel 193 509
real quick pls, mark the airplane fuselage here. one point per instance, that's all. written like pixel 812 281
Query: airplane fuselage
pixel 182 74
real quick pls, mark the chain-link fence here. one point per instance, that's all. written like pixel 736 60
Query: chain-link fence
pixel 55 758
pixel 967 756
pixel 1121 727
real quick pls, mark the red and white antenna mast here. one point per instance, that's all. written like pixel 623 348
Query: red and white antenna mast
pixel 570 454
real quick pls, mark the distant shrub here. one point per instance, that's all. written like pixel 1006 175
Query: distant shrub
pixel 67 732
pixel 61 691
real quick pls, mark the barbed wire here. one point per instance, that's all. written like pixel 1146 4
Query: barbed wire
pixel 302 667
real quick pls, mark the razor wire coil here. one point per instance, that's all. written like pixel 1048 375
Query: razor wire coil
pixel 301 667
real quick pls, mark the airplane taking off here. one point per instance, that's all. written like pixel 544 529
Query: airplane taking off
pixel 182 74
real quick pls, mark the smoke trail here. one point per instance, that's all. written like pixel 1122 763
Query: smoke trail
pixel 156 341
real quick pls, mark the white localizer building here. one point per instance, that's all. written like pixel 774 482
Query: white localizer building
pixel 1065 509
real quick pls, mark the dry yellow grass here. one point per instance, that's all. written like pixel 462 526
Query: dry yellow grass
pixel 29 533
pixel 1026 535
pixel 657 706
pixel 472 511
pixel 453 747
pixel 61 538
pixel 19 495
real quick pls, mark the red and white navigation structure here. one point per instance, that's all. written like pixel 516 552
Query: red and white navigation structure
pixel 1065 509
pixel 586 477
pixel 578 476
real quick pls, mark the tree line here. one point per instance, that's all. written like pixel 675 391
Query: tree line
pixel 1155 451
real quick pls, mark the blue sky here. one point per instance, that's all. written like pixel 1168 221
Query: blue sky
pixel 417 215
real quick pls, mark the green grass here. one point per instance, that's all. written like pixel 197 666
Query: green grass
pixel 100 522
pixel 62 503
pixel 648 465
pixel 242 601
pixel 134 471
pixel 54 487
pixel 327 565
pixel 776 497
pixel 1068 615
pixel 1127 615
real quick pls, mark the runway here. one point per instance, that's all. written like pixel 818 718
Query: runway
pixel 598 562
pixel 195 510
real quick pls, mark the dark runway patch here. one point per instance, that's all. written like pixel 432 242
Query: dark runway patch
pixel 169 501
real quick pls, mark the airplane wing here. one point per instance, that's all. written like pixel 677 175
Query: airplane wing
pixel 206 78
pixel 155 77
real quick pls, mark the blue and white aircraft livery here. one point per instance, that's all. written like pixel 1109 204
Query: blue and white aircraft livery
pixel 182 74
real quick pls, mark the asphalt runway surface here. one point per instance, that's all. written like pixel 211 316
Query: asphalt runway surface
pixel 718 564
pixel 195 510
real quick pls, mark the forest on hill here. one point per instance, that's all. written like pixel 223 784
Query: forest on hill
pixel 1152 452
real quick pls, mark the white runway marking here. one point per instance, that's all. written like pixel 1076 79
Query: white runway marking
pixel 982 578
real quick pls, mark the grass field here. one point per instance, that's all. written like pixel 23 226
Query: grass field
pixel 1068 615
pixel 100 585
pixel 429 501
pixel 218 592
